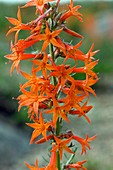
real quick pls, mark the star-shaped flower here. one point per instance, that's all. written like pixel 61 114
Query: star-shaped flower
pixel 62 145
pixel 40 128
pixel 18 25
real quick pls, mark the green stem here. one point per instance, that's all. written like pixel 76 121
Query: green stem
pixel 51 50
pixel 57 134
pixel 53 58
pixel 58 160
pixel 71 157
pixel 58 127
pixel 58 121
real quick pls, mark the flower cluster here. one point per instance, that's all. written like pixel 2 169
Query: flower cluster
pixel 53 88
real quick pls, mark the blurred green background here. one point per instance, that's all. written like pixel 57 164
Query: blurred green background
pixel 97 28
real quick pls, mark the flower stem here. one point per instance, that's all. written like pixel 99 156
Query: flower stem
pixel 71 157
pixel 57 134
pixel 58 121
pixel 52 54
pixel 58 160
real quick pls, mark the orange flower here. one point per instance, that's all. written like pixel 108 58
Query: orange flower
pixel 30 99
pixel 77 165
pixel 39 5
pixel 48 37
pixel 34 167
pixel 73 11
pixel 63 73
pixel 18 54
pixel 91 53
pixel 61 145
pixel 85 110
pixel 84 142
pixel 52 164
pixel 73 33
pixel 41 86
pixel 18 25
pixel 43 65
pixel 42 140
pixel 73 52
pixel 33 81
pixel 87 69
pixel 76 54
pixel 73 99
pixel 57 111
pixel 40 128
pixel 85 85
pixel 21 45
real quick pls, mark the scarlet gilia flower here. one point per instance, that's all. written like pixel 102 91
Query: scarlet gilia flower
pixel 48 37
pixel 91 53
pixel 18 25
pixel 18 54
pixel 74 53
pixel 77 166
pixel 34 167
pixel 63 73
pixel 73 11
pixel 43 139
pixel 87 69
pixel 43 65
pixel 39 4
pixel 40 128
pixel 52 164
pixel 57 111
pixel 32 100
pixel 72 33
pixel 33 81
pixel 85 85
pixel 85 110
pixel 73 99
pixel 84 142
pixel 61 145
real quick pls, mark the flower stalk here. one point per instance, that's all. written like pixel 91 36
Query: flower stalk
pixel 53 88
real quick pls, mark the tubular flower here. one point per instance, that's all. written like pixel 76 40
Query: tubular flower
pixel 40 128
pixel 39 4
pixel 77 166
pixel 62 73
pixel 62 145
pixel 18 54
pixel 73 52
pixel 52 164
pixel 85 110
pixel 84 142
pixel 48 37
pixel 43 139
pixel 91 53
pixel 31 100
pixel 88 69
pixel 86 85
pixel 34 167
pixel 57 111
pixel 73 11
pixel 43 65
pixel 18 25
pixel 33 81
pixel 73 99
pixel 73 33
